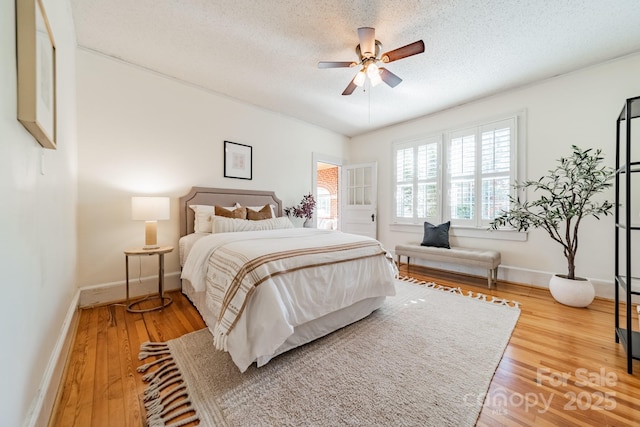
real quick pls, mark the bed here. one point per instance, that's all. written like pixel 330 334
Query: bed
pixel 273 287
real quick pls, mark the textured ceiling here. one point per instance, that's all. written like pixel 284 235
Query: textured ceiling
pixel 266 52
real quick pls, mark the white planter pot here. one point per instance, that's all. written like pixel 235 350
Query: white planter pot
pixel 574 293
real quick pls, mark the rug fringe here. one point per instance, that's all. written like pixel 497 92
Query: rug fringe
pixel 458 291
pixel 152 405
pixel 166 367
pixel 166 397
pixel 152 349
pixel 143 368
pixel 159 408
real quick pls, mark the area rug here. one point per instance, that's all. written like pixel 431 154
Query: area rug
pixel 426 357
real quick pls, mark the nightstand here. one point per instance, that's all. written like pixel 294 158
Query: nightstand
pixel 164 301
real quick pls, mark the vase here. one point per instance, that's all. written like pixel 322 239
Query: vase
pixel 297 222
pixel 577 292
pixel 308 223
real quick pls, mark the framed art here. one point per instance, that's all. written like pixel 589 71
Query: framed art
pixel 36 72
pixel 237 160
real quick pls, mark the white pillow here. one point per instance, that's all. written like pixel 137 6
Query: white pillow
pixel 227 225
pixel 203 214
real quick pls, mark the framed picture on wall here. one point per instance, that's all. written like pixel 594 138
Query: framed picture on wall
pixel 36 72
pixel 237 160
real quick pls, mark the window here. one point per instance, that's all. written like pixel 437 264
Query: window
pixel 462 175
pixel 323 204
pixel 480 171
pixel 417 180
pixel 497 170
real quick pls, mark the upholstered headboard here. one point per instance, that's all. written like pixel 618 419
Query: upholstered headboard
pixel 222 197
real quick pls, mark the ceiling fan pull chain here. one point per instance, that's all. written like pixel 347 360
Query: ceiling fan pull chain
pixel 369 107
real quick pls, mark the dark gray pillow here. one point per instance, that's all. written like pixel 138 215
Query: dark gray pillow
pixel 436 235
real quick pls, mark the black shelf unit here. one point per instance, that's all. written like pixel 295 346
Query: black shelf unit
pixel 625 281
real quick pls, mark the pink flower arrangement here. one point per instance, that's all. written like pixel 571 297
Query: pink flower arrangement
pixel 304 209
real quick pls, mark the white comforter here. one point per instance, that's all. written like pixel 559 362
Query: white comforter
pixel 285 301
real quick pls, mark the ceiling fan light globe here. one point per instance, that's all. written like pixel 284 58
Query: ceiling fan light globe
pixel 375 79
pixel 372 70
pixel 359 79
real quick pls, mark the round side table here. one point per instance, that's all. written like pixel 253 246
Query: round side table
pixel 164 301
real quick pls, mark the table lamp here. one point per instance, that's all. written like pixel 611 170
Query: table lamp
pixel 151 210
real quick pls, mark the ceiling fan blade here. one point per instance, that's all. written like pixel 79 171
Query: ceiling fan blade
pixel 389 78
pixel 404 51
pixel 350 88
pixel 367 37
pixel 336 64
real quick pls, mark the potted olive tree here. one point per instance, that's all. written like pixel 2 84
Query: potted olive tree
pixel 565 196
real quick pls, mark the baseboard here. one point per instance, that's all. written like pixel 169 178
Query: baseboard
pixel 44 402
pixel 540 279
pixel 107 293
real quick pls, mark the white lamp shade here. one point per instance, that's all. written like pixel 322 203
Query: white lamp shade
pixel 150 208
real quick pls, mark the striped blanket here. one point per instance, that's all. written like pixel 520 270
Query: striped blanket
pixel 237 268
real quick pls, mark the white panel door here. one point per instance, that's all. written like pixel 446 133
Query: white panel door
pixel 359 196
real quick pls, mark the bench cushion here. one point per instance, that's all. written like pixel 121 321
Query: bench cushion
pixel 485 258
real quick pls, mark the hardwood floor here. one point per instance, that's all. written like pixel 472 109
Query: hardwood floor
pixel 561 367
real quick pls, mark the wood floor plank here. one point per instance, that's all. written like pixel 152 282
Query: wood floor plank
pixel 128 360
pixel 188 318
pixel 115 391
pixel 75 406
pixel 540 380
pixel 100 415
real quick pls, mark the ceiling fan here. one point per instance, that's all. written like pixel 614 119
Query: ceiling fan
pixel 368 52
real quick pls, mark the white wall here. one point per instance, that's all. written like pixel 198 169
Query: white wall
pixel 142 133
pixel 579 108
pixel 37 224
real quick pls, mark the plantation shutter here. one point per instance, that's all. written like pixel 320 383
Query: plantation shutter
pixel 462 176
pixel 496 168
pixel 417 180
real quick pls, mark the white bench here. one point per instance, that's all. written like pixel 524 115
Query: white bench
pixel 486 258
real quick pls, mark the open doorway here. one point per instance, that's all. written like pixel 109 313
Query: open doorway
pixel 327 195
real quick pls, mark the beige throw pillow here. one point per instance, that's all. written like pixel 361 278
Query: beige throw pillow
pixel 239 213
pixel 264 213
